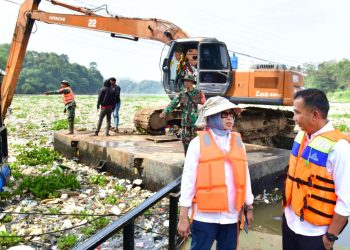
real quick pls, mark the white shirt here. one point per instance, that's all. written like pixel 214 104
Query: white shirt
pixel 173 67
pixel 338 164
pixel 188 184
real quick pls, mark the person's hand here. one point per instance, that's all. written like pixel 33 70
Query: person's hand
pixel 162 115
pixel 249 217
pixel 183 227
pixel 328 245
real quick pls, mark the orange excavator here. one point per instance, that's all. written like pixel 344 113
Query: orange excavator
pixel 216 75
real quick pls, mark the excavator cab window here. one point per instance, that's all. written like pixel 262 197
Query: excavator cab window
pixel 214 68
pixel 213 58
pixel 208 60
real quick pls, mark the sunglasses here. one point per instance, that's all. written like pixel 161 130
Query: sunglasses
pixel 226 113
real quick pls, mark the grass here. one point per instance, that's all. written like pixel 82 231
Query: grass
pixel 339 116
pixel 48 186
pixel 67 241
pixel 12 240
pixel 339 96
pixel 342 127
pixel 32 155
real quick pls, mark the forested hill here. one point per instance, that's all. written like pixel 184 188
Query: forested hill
pixel 330 76
pixel 44 71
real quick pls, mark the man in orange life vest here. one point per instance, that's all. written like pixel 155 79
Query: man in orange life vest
pixel 215 181
pixel 69 102
pixel 316 201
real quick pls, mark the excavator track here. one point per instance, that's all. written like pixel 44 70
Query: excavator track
pixel 147 120
pixel 261 126
pixel 267 127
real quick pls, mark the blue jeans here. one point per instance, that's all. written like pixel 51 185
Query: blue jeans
pixel 203 235
pixel 116 114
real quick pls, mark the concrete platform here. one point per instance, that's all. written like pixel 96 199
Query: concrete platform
pixel 157 162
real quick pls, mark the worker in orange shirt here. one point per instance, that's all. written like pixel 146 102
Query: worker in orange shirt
pixel 68 98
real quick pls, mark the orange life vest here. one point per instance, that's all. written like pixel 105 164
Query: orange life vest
pixel 309 186
pixel 211 190
pixel 67 98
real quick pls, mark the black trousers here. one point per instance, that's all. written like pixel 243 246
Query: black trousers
pixel 108 113
pixel 293 241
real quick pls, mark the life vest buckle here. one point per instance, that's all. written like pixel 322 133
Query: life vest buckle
pixel 302 215
pixel 298 180
pixel 309 181
pixel 305 202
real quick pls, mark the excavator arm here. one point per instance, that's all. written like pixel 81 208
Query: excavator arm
pixel 122 27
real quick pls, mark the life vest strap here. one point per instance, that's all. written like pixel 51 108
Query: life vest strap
pixel 324 179
pixel 314 210
pixel 309 183
pixel 300 181
pixel 324 188
pixel 323 199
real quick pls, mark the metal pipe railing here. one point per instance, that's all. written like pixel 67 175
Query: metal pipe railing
pixel 126 222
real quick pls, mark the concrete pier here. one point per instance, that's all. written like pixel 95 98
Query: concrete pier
pixel 157 159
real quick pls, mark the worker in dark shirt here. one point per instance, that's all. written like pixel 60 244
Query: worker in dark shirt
pixel 106 100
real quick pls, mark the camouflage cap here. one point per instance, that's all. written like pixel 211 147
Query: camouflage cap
pixel 65 82
pixel 189 77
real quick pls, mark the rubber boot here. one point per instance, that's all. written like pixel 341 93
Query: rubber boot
pixel 71 127
pixel 108 128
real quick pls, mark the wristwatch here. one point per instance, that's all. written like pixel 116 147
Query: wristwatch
pixel 331 237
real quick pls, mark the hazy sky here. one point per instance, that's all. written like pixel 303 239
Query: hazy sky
pixel 291 32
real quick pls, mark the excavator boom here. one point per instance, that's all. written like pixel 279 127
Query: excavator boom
pixel 123 27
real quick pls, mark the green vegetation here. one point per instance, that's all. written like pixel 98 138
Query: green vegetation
pixel 98 179
pixel 88 231
pixel 62 124
pixel 5 195
pixel 9 241
pixel 67 241
pixel 101 223
pixel 54 210
pixel 339 96
pixel 342 127
pixel 6 219
pixel 333 77
pixel 33 155
pixel 43 71
pixel 119 188
pixel 96 225
pixel 111 199
pixel 337 116
pixel 48 186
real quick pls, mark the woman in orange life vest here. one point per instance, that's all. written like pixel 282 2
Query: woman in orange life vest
pixel 68 98
pixel 215 181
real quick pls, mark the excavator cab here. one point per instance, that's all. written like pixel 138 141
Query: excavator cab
pixel 207 58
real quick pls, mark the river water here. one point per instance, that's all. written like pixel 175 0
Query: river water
pixel 267 219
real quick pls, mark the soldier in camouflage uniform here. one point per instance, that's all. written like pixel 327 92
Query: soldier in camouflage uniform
pixel 69 102
pixel 188 98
